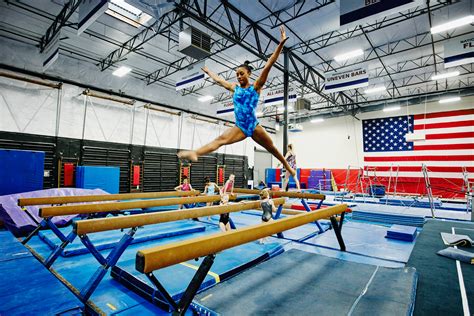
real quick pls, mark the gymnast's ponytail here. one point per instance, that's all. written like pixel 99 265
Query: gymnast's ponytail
pixel 247 66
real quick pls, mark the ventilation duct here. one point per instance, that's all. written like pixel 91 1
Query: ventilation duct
pixel 194 43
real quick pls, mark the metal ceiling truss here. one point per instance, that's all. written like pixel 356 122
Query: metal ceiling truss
pixel 416 84
pixel 237 28
pixel 227 75
pixel 339 95
pixel 60 20
pixel 298 9
pixel 134 44
pixel 337 36
pixel 397 47
pixel 184 62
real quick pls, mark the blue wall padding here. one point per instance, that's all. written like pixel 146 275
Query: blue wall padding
pixel 400 232
pixel 270 175
pixel 108 239
pixel 176 278
pixel 21 171
pixel 301 283
pixel 389 218
pixel 315 177
pixel 27 287
pixel 98 177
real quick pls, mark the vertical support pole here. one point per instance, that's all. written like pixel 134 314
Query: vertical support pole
pixel 85 115
pixel 146 125
pixel 132 124
pixel 180 129
pixel 286 79
pixel 58 109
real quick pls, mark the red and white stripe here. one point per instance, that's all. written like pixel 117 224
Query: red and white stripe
pixel 448 146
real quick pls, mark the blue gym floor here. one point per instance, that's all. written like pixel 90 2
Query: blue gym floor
pixel 366 243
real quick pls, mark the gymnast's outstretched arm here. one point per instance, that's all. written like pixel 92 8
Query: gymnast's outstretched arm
pixel 260 82
pixel 220 81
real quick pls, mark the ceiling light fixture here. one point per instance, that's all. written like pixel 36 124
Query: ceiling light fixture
pixel 121 71
pixel 317 120
pixel 449 100
pixel 351 54
pixel 446 75
pixel 392 108
pixel 375 89
pixel 205 98
pixel 452 24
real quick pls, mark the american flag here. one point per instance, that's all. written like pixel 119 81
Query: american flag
pixel 448 145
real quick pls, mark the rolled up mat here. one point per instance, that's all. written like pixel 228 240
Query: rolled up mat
pixel 457 254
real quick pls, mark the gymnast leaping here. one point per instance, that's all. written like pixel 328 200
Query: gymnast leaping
pixel 245 97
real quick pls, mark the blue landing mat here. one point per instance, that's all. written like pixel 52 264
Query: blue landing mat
pixel 300 283
pixel 26 287
pixel 299 233
pixel 110 297
pixel 108 239
pixel 368 240
pixel 11 248
pixel 176 278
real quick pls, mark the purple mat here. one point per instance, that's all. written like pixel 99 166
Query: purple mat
pixel 20 224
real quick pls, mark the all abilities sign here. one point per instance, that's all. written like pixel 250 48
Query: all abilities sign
pixel 459 51
pixel 340 81
pixel 275 96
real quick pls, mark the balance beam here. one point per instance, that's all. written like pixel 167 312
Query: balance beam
pixel 246 191
pixel 103 224
pixel 101 197
pixel 299 195
pixel 119 206
pixel 151 259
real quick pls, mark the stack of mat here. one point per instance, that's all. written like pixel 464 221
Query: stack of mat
pixel 400 232
pixel 389 218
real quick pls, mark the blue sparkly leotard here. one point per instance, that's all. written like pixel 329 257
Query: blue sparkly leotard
pixel 245 103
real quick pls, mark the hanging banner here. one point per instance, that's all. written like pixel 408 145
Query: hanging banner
pixel 275 96
pixel 459 51
pixel 351 79
pixel 354 11
pixel 89 12
pixel 191 76
pixel 225 108
pixel 51 52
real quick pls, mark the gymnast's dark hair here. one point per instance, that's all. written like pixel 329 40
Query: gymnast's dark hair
pixel 247 66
